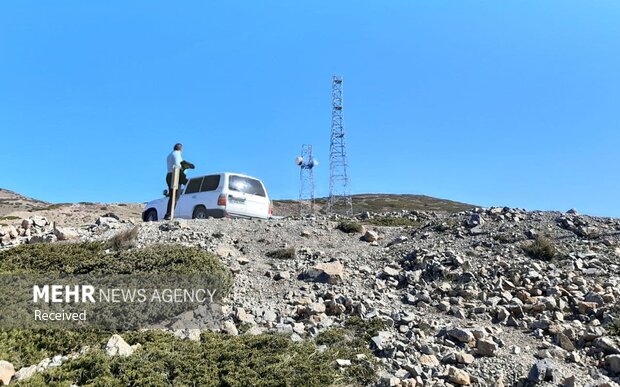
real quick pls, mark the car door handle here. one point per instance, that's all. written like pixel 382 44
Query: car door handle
pixel 193 196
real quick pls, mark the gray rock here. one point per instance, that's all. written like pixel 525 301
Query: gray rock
pixel 25 373
pixel 541 371
pixel 486 347
pixel 229 328
pixel 462 335
pixel 612 363
pixel 608 345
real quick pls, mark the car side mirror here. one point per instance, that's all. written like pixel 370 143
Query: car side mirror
pixel 166 192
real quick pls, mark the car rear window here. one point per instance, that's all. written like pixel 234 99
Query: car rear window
pixel 194 185
pixel 245 184
pixel 210 183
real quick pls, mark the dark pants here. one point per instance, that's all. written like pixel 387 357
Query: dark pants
pixel 169 182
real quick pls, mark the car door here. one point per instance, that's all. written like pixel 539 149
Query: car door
pixel 189 198
pixel 209 192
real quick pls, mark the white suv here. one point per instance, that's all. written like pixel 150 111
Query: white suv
pixel 219 195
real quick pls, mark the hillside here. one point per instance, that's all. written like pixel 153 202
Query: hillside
pixel 15 207
pixel 380 203
pixel 491 297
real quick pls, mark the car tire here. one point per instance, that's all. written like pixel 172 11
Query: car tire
pixel 200 212
pixel 151 215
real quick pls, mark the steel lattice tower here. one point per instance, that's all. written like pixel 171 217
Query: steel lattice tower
pixel 339 195
pixel 306 181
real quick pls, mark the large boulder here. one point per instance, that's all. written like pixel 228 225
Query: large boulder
pixel 117 346
pixel 6 372
pixel 66 233
pixel 39 221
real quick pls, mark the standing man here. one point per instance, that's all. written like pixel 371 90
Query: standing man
pixel 174 160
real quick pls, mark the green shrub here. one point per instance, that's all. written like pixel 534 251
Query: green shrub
pixel 24 347
pixel 217 360
pixel 287 253
pixel 541 248
pixel 350 227
pixel 91 257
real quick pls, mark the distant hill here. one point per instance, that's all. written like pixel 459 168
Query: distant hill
pixel 380 203
pixel 14 206
pixel 12 201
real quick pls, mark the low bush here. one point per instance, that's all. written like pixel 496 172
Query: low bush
pixel 350 227
pixel 286 253
pixel 541 248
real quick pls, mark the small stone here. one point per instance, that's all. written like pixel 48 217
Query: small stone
pixel 541 371
pixel 399 240
pixel 464 358
pixel 429 361
pixel 486 347
pixel 389 271
pixel 282 275
pixel 458 376
pixel 343 362
pixel 462 335
pixel 564 342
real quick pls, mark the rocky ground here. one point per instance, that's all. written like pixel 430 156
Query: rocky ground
pixel 487 297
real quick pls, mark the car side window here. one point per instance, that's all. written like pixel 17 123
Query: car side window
pixel 193 186
pixel 210 183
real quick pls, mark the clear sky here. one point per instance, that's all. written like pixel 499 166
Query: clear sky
pixel 511 103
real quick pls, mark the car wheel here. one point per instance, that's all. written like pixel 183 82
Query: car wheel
pixel 151 215
pixel 200 212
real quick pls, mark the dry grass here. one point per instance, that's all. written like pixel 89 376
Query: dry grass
pixel 541 248
pixel 124 239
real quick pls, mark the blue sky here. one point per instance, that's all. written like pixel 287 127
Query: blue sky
pixel 511 103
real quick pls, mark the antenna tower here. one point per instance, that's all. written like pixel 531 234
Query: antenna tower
pixel 339 195
pixel 306 165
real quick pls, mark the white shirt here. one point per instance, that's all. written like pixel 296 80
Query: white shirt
pixel 174 160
